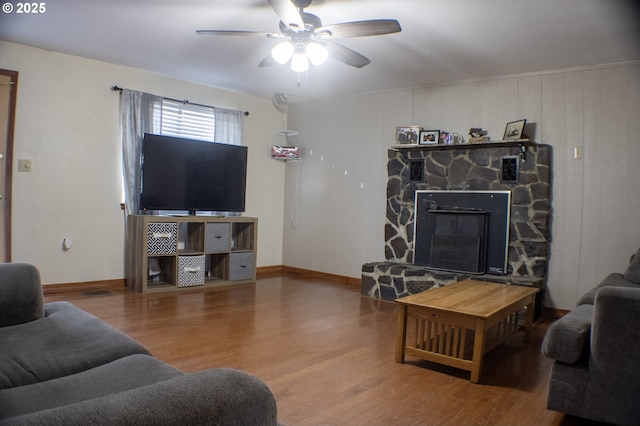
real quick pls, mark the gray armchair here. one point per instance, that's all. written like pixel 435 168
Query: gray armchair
pixel 596 348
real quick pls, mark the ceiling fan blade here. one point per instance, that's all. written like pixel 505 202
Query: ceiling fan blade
pixel 239 33
pixel 287 13
pixel 361 28
pixel 268 61
pixel 346 55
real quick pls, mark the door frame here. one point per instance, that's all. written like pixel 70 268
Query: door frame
pixel 11 119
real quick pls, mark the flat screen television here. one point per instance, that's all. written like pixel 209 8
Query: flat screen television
pixel 193 175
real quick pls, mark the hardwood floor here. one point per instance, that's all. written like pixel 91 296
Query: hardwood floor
pixel 328 354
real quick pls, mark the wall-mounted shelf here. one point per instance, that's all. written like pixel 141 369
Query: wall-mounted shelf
pixel 520 143
pixel 468 145
pixel 286 133
pixel 286 160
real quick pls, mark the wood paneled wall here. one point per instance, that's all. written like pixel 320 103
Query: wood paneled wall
pixel 337 193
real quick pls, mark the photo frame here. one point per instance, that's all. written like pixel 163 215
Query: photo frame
pixel 407 135
pixel 514 130
pixel 429 137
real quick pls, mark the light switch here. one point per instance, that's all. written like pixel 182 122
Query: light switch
pixel 577 152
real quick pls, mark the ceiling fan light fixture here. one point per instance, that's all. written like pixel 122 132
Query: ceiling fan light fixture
pixel 299 62
pixel 317 53
pixel 282 52
pixel 303 38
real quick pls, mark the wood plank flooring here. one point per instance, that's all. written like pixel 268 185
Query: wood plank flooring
pixel 328 354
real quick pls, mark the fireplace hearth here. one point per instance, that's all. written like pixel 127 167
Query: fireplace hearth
pixel 410 267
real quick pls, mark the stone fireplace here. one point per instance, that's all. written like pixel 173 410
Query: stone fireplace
pixel 520 169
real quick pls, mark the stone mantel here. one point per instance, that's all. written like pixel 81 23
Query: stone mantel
pixel 469 166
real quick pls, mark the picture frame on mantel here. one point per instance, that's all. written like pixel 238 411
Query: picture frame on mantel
pixel 407 135
pixel 429 137
pixel 514 130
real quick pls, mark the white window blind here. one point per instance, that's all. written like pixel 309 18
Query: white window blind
pixel 186 120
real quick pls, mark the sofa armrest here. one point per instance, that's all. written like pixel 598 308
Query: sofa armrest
pixel 21 297
pixel 633 270
pixel 616 347
pixel 568 339
pixel 214 397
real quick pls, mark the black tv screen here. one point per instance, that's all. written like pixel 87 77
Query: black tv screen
pixel 193 175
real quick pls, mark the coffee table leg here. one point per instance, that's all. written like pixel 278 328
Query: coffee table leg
pixel 478 351
pixel 528 322
pixel 401 332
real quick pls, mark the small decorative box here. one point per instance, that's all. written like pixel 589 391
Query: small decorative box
pixel 285 151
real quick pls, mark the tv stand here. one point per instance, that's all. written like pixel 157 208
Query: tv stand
pixel 176 253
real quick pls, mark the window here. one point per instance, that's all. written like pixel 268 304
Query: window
pixel 186 120
pixel 146 113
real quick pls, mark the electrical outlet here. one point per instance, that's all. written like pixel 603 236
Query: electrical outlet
pixel 24 166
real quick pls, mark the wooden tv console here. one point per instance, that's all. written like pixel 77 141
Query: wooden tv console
pixel 176 253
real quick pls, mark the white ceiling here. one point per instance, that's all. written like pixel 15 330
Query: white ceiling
pixel 441 40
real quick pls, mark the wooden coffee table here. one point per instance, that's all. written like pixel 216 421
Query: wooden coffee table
pixel 457 324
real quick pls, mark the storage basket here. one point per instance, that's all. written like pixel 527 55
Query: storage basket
pixel 241 266
pixel 161 238
pixel 190 271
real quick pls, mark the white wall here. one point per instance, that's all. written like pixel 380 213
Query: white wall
pixel 67 124
pixel 595 199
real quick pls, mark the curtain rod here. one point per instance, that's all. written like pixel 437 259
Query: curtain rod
pixel 115 88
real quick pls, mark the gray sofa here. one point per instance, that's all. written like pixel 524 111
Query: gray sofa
pixel 596 349
pixel 59 365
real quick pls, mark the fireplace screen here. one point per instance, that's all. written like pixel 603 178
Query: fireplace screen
pixel 462 231
pixel 457 239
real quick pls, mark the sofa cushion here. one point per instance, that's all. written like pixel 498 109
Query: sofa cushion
pixel 123 374
pixel 212 397
pixel 66 341
pixel 588 298
pixel 633 270
pixel 614 279
pixel 567 340
pixel 20 294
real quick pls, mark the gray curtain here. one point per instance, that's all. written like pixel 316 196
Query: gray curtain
pixel 139 114
pixel 229 126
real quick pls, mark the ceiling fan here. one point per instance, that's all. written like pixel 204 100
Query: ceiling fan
pixel 304 39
